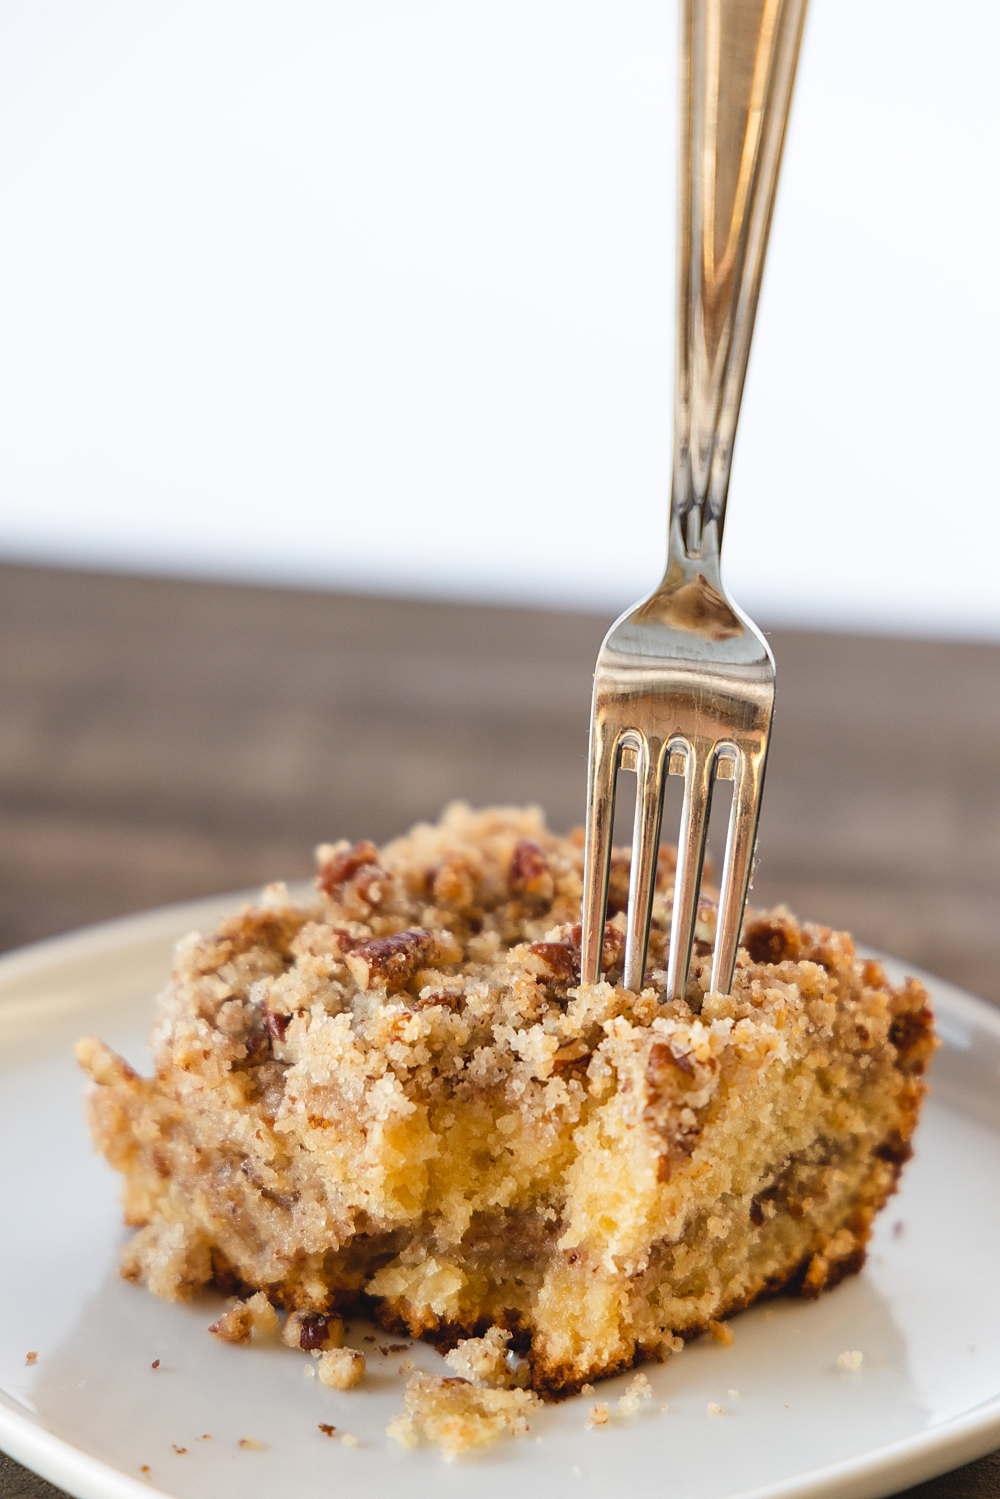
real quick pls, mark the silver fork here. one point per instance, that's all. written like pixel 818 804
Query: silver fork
pixel 685 682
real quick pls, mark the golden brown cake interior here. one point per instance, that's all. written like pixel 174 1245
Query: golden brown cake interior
pixel 396 1093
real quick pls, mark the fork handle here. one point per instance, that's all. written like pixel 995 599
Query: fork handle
pixel 737 69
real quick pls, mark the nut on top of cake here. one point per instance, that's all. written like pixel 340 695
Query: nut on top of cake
pixel 396 1093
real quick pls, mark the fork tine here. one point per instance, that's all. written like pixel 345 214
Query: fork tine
pixel 698 778
pixel 645 848
pixel 597 846
pixel 738 864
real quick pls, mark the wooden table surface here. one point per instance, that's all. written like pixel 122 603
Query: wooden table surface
pixel 161 740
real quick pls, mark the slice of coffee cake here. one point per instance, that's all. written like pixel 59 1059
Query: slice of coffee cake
pixel 396 1093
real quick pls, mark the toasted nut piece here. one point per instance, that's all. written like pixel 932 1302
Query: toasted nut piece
pixel 392 961
pixel 313 1332
pixel 529 875
pixel 338 862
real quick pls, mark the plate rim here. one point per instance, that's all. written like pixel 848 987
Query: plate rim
pixel 872 1475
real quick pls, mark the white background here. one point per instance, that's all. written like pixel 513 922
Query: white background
pixel 378 294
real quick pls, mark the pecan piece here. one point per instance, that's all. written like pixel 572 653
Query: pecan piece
pixel 662 1057
pixel 313 1332
pixel 341 862
pixel 528 875
pixel 562 960
pixel 392 961
pixel 772 939
pixel 275 1023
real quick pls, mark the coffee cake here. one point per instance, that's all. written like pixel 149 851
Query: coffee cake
pixel 396 1094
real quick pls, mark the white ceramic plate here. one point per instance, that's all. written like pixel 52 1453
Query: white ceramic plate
pixel 92 1415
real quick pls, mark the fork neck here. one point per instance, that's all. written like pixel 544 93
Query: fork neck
pixel 737 67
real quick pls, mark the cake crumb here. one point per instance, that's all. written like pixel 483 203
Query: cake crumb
pixel 179 1450
pixel 458 1415
pixel 241 1321
pixel 598 1415
pixel 664 1409
pixel 309 1372
pixel 342 1368
pixel 406 1366
pixel 851 1360
pixel 249 1444
pixel 715 1410
pixel 733 1394
pixel 349 1441
pixel 482 1361
pixel 639 1390
pixel 327 1429
pixel 586 1389
pixel 31 1358
pixel 722 1333
pixel 155 1364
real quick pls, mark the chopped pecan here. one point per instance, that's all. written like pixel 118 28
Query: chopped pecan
pixel 392 961
pixel 313 1332
pixel 528 874
pixel 342 862
pixel 275 1023
pixel 438 997
pixel 562 960
pixel 772 939
pixel 662 1057
pixel 258 1047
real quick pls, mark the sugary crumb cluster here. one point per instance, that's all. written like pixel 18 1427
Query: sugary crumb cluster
pixel 396 1095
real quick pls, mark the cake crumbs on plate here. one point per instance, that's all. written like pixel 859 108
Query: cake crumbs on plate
pixel 155 1364
pixel 407 1366
pixel 31 1358
pixel 348 1441
pixel 458 1415
pixel 341 1368
pixel 714 1409
pixel 326 1428
pixel 639 1390
pixel 239 1323
pixel 850 1360
pixel 599 1413
pixel 722 1333
pixel 250 1444
pixel 179 1450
